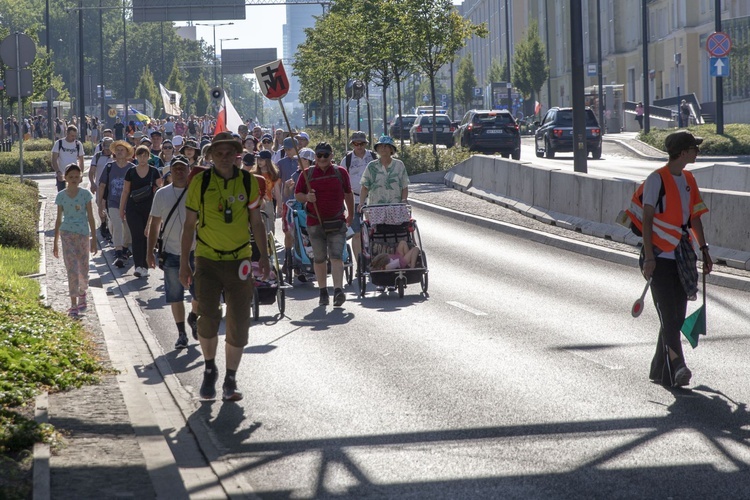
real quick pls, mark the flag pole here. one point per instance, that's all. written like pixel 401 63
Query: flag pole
pixel 296 153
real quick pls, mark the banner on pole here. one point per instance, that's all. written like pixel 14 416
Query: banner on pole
pixel 272 79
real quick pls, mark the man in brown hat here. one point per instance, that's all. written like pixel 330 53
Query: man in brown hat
pixel 219 203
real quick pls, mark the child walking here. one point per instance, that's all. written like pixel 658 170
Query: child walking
pixel 75 227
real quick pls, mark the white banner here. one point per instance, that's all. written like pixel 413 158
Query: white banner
pixel 171 101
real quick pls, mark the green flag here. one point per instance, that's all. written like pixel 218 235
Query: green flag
pixel 695 325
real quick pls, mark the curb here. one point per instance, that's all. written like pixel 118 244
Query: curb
pixel 599 252
pixel 41 468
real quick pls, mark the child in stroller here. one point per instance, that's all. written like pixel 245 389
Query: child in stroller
pixel 404 258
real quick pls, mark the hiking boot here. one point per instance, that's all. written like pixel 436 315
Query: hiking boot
pixel 182 341
pixel 229 391
pixel 682 377
pixel 324 299
pixel 339 297
pixel 208 387
pixel 192 320
pixel 119 259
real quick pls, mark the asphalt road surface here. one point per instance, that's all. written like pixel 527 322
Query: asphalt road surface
pixel 520 375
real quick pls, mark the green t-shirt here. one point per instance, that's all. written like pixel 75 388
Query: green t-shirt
pixel 214 233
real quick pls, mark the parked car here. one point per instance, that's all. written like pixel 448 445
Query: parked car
pixel 400 125
pixel 490 130
pixel 555 133
pixel 421 131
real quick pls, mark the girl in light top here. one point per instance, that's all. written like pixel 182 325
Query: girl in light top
pixel 75 227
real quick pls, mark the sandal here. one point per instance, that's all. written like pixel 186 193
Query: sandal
pixel 82 304
pixel 73 312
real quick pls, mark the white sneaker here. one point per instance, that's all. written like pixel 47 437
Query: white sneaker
pixel 137 272
pixel 144 272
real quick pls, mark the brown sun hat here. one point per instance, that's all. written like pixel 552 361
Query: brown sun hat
pixel 226 138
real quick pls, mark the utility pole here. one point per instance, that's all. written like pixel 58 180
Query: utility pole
pixel 719 80
pixel 599 62
pixel 216 83
pixel 578 99
pixel 646 96
pixel 82 126
pixel 507 53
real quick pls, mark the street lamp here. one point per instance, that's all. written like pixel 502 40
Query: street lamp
pixel 214 28
pixel 221 45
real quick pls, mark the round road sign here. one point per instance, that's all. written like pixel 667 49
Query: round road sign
pixel 25 47
pixel 112 112
pixel 718 44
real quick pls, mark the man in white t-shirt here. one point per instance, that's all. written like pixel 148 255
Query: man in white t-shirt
pixel 169 128
pixel 166 199
pixel 356 162
pixel 64 152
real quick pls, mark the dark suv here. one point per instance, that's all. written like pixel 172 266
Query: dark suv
pixel 421 131
pixel 400 125
pixel 555 133
pixel 490 130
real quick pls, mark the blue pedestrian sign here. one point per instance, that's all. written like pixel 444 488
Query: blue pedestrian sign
pixel 719 66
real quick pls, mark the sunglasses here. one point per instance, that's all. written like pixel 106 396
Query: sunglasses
pixel 322 155
pixel 358 144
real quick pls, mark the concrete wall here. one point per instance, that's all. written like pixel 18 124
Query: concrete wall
pixel 723 177
pixel 599 199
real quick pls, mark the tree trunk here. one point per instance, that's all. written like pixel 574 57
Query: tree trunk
pixel 369 110
pixel 398 104
pixel 323 110
pixel 434 117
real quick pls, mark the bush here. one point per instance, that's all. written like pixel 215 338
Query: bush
pixel 419 159
pixel 734 142
pixel 46 145
pixel 19 213
pixel 34 162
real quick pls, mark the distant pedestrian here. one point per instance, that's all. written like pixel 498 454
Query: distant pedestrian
pixel 639 114
pixel 272 196
pixel 684 114
pixel 64 152
pixel 75 227
pixel 663 208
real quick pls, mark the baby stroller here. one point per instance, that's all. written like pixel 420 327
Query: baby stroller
pixel 267 291
pixel 299 260
pixel 383 227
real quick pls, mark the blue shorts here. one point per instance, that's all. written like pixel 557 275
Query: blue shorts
pixel 174 290
pixel 356 224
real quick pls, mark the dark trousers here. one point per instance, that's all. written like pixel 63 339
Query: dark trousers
pixel 136 216
pixel 670 300
pixel 60 185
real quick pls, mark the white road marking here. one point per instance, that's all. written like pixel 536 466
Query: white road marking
pixel 466 308
pixel 593 359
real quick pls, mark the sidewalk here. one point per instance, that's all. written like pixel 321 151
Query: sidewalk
pixel 130 437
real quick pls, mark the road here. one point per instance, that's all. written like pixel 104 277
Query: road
pixel 521 375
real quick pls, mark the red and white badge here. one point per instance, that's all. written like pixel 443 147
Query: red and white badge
pixel 245 269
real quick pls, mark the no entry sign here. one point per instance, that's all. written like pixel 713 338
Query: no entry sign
pixel 718 44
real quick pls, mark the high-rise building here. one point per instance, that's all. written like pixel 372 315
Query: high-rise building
pixel 298 17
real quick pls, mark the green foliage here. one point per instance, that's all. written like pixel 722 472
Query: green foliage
pixel 202 96
pixel 497 72
pixel 18 213
pixel 466 80
pixel 734 142
pixel 34 162
pixel 147 89
pixel 419 159
pixel 530 63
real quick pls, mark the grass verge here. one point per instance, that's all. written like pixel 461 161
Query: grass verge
pixel 40 349
pixel 734 142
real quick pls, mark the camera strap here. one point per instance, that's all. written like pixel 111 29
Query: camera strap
pixel 169 215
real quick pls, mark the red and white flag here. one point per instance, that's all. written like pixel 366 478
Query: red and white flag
pixel 228 119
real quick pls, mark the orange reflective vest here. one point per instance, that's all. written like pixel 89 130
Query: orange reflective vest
pixel 668 223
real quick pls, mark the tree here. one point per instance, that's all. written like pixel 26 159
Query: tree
pixel 146 89
pixel 466 80
pixel 437 31
pixel 201 96
pixel 497 72
pixel 530 63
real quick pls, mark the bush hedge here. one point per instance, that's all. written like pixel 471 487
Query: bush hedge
pixel 46 145
pixel 34 162
pixel 19 213
pixel 734 142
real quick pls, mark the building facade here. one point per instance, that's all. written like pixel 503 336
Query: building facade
pixel 679 63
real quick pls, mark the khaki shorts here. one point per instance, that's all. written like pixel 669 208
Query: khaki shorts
pixel 211 278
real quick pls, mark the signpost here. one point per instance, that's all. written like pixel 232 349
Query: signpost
pixel 718 46
pixel 17 52
pixel 274 84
